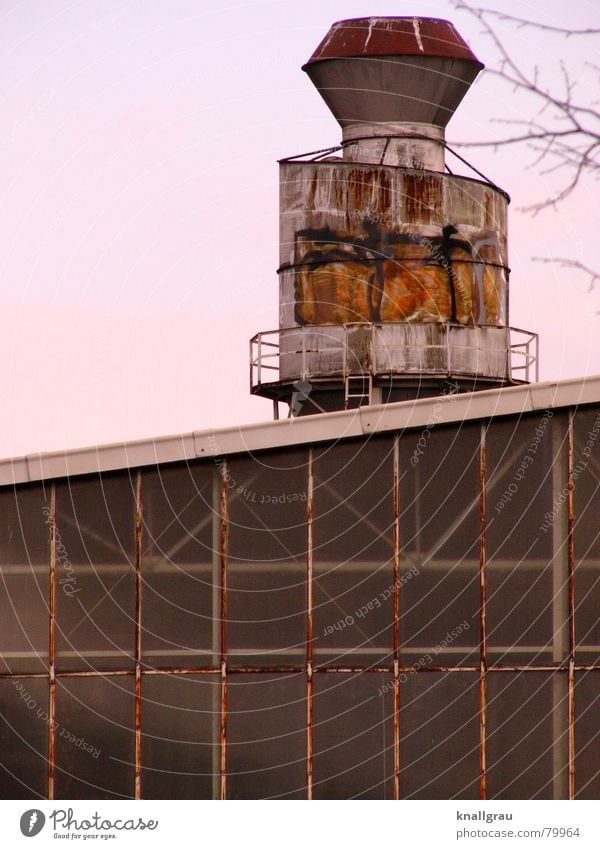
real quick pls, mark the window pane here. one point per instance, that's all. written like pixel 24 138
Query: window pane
pixel 527 546
pixel 353 553
pixel 95 737
pixel 266 573
pixel 586 533
pixel 23 738
pixel 266 736
pixel 439 735
pixel 181 716
pixel 439 547
pixel 180 567
pixel 24 576
pixel 353 737
pixel 95 555
pixel 527 735
pixel 587 735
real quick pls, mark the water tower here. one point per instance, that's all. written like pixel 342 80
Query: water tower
pixel 393 275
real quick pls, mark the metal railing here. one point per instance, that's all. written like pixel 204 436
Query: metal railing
pixel 268 361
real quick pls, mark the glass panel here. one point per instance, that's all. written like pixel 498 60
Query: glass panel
pixel 23 738
pixel 95 740
pixel 439 735
pixel 24 578
pixel 353 737
pixel 587 735
pixel 180 736
pixel 266 573
pixel 266 736
pixel 181 574
pixel 353 553
pixel 586 533
pixel 95 555
pixel 527 735
pixel 439 547
pixel 527 549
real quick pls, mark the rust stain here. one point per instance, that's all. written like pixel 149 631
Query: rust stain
pixel 314 182
pixel 488 209
pixel 309 624
pixel 52 645
pixel 482 620
pixel 571 578
pixel 309 732
pixel 571 721
pixel 223 551
pixel 367 190
pixel 396 730
pixel 422 197
pixel 570 535
pixel 138 640
pixel 223 758
pixel 482 734
pixel 396 544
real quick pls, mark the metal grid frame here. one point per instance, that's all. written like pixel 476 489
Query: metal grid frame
pixel 568 666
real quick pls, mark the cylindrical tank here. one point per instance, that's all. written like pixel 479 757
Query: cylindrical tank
pixel 391 271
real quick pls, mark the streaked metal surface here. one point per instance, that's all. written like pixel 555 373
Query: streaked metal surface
pixel 393 351
pixel 364 242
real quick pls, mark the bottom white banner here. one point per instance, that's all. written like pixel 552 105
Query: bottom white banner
pixel 283 824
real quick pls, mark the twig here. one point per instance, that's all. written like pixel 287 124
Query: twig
pixel 575 264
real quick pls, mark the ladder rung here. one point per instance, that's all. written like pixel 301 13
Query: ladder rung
pixel 358 388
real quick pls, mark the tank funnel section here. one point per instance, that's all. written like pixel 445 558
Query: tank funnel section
pixel 393 77
pixel 393 269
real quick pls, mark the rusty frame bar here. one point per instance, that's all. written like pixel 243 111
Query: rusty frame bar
pixel 223 558
pixel 52 645
pixel 317 670
pixel 482 615
pixel 256 670
pixel 571 578
pixel 396 598
pixel 309 624
pixel 138 637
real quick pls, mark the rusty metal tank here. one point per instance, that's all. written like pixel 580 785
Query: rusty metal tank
pixel 393 273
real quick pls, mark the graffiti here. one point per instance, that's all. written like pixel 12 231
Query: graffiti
pixel 378 275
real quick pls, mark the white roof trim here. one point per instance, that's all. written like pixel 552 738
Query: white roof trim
pixel 444 409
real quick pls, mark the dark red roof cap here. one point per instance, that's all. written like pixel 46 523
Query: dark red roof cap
pixel 415 36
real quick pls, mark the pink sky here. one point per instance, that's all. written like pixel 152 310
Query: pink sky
pixel 138 148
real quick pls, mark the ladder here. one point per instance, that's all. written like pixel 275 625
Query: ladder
pixel 357 390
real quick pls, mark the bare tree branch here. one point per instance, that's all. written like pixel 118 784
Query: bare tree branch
pixel 523 22
pixel 564 132
pixel 563 262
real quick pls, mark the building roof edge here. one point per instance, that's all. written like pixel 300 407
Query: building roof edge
pixel 323 427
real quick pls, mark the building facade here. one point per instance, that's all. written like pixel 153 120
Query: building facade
pixel 394 602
